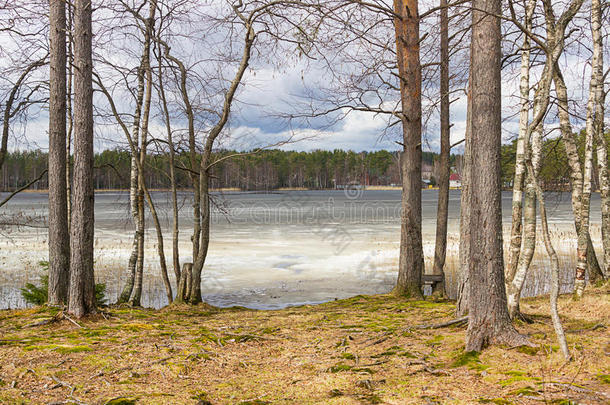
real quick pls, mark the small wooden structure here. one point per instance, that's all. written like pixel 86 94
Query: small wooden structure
pixel 431 280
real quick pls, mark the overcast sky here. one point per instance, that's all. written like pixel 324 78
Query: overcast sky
pixel 268 90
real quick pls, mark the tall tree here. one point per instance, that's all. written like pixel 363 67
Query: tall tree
pixel 516 235
pixel 595 96
pixel 442 211
pixel 488 319
pixel 553 46
pixel 81 299
pixel 59 238
pixel 411 260
pixel 463 292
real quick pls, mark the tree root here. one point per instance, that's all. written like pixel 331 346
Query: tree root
pixel 463 321
pixel 59 317
pixel 482 338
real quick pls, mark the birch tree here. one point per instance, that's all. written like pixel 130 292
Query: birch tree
pixel 553 46
pixel 518 182
pixel 594 107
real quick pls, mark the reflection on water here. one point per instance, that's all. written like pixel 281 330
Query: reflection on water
pixel 272 250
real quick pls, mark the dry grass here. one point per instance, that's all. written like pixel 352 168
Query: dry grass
pixel 362 350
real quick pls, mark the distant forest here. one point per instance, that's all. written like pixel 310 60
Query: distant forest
pixel 273 169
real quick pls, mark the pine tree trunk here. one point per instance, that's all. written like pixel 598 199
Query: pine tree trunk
pixel 464 254
pixel 488 318
pixel 411 260
pixel 59 238
pixel 442 211
pixel 70 61
pixel 82 283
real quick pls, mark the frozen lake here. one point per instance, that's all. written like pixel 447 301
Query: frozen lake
pixel 268 250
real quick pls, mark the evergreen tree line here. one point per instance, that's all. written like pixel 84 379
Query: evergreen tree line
pixel 273 169
pixel 256 170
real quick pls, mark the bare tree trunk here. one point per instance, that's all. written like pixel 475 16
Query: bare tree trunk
pixel 195 238
pixel 442 211
pixel 143 189
pixel 517 204
pixel 595 96
pixel 488 318
pixel 135 300
pixel 576 174
pixel 528 248
pixel 82 283
pixel 194 296
pixel 533 144
pixel 172 173
pixel 602 146
pixel 464 254
pixel 59 238
pixel 184 285
pixel 561 337
pixel 604 189
pixel 146 73
pixel 69 116
pixel 411 260
pixel 133 193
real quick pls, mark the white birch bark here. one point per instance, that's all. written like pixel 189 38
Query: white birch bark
pixel 517 203
pixel 595 89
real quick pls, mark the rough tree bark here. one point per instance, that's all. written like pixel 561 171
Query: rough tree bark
pixel 70 62
pixel 488 318
pixel 411 260
pixel 59 238
pixel 442 211
pixel 81 299
pixel 461 307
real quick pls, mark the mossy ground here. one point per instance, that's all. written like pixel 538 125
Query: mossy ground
pixel 363 350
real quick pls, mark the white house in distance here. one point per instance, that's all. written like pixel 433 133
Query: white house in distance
pixel 455 181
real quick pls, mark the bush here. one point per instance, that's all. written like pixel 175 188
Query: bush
pixel 35 295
